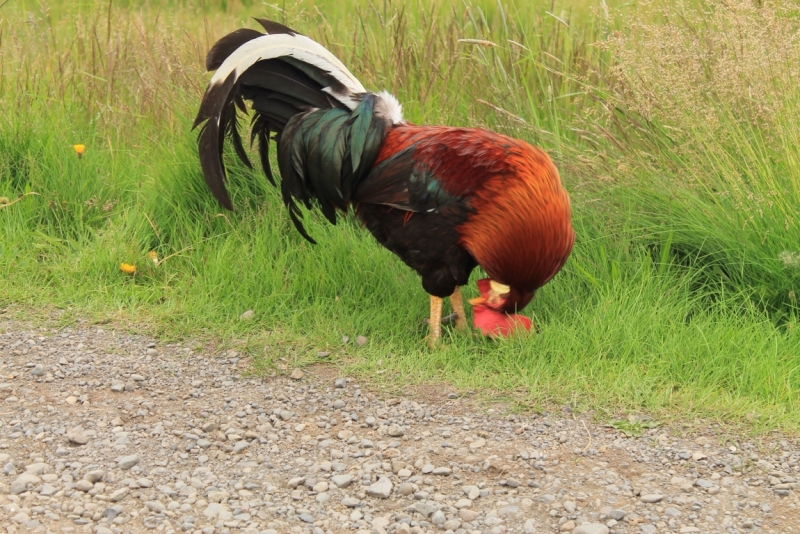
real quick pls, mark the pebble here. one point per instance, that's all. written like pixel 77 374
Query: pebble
pixel 652 497
pixel 22 482
pixel 568 526
pixel 94 475
pixel 405 489
pixel 468 515
pixel 239 446
pixel 77 436
pixel 155 506
pixel 438 518
pixel 395 431
pixel 350 502
pixel 217 511
pixel 382 488
pixel 591 528
pixel 472 492
pixel 616 515
pixel 342 481
pixel 118 495
pixel 83 485
pixel 477 444
pixel 509 511
pixel 297 374
pixel 126 462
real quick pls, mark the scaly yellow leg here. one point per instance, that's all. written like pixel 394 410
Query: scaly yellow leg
pixel 436 321
pixel 458 306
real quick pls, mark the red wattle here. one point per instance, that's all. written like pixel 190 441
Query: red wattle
pixel 484 286
pixel 494 323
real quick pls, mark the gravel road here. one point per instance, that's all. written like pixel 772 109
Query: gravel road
pixel 103 431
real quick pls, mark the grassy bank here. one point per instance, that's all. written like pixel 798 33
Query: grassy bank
pixel 674 133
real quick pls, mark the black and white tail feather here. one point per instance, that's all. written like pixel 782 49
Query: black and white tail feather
pixel 328 128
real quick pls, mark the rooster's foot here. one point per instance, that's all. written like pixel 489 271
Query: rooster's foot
pixel 458 307
pixel 435 321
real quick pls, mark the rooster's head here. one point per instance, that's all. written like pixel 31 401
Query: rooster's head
pixel 494 310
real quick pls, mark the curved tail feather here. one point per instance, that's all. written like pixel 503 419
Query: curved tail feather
pixel 329 129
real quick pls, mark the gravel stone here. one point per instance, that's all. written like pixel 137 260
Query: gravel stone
pixel 119 494
pixel 395 431
pixel 126 462
pixel 591 528
pixel 438 518
pixel 425 508
pixel 617 515
pixel 78 436
pixel 381 489
pixel 22 482
pixel 350 502
pixel 405 489
pixel 239 446
pixel 342 481
pixel 83 485
pixel 468 515
pixel 95 475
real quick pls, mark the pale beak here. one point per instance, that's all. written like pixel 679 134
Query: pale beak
pixel 499 289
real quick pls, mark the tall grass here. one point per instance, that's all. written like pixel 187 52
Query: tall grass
pixel 704 136
pixel 678 298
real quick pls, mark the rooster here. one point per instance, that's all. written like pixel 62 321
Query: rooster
pixel 444 200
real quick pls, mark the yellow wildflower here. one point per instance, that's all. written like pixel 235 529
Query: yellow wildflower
pixel 79 149
pixel 127 268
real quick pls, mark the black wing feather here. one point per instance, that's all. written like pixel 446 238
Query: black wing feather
pixel 388 182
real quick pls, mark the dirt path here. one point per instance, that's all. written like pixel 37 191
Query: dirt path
pixel 102 431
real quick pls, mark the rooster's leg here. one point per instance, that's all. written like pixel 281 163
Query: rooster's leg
pixel 458 306
pixel 436 321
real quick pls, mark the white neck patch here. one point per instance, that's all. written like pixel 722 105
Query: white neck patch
pixel 389 107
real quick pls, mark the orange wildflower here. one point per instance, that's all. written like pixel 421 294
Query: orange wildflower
pixel 127 268
pixel 79 149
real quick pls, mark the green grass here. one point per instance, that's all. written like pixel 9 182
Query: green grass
pixel 679 298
